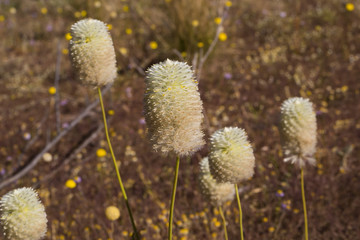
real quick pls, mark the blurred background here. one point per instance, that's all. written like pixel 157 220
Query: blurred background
pixel 249 57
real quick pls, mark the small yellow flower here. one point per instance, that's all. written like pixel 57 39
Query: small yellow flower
pixel 44 10
pixel 111 112
pixel 153 45
pixel 218 20
pixel 101 152
pixel 123 51
pixel 109 26
pixel 83 13
pixel 200 44
pixel 128 31
pixel 265 219
pixel 195 23
pixel 271 229
pixel 65 51
pixel 126 8
pixel 112 213
pixel 125 233
pixel 113 14
pixel 350 7
pixel 52 90
pixel 2 18
pixel 183 54
pixel 228 3
pixel 68 36
pixel 296 211
pixel 344 88
pixel 70 184
pixel 222 36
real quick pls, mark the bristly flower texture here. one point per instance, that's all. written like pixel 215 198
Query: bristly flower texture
pixel 216 193
pixel 92 52
pixel 23 216
pixel 173 108
pixel 298 122
pixel 231 157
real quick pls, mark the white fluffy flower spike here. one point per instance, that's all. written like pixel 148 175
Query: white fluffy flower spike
pixel 173 108
pixel 298 122
pixel 23 216
pixel 231 157
pixel 216 193
pixel 92 52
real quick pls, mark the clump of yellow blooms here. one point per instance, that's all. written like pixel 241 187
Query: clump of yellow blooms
pixel 112 213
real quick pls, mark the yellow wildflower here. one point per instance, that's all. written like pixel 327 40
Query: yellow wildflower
pixel 70 184
pixel 68 36
pixel 83 13
pixel 101 152
pixel 126 8
pixel 111 112
pixel 200 44
pixel 44 10
pixel 222 36
pixel 65 51
pixel 195 23
pixel 2 18
pixel 271 229
pixel 128 31
pixel 350 7
pixel 153 45
pixel 112 213
pixel 52 90
pixel 228 3
pixel 218 20
pixel 109 26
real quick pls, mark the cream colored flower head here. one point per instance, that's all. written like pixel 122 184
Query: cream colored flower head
pixel 216 193
pixel 23 216
pixel 298 123
pixel 92 52
pixel 231 157
pixel 173 108
pixel 112 213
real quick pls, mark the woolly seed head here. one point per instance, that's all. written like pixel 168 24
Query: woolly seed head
pixel 231 157
pixel 298 123
pixel 92 52
pixel 23 216
pixel 173 108
pixel 216 193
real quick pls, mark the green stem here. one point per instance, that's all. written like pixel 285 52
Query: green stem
pixel 116 167
pixel 304 204
pixel 173 197
pixel 224 222
pixel 240 212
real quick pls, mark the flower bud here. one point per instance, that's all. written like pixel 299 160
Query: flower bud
pixel 231 157
pixel 298 125
pixel 23 216
pixel 92 52
pixel 173 108
pixel 216 193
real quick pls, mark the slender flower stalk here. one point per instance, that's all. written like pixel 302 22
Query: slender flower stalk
pixel 240 212
pixel 171 215
pixel 224 222
pixel 298 122
pixel 116 167
pixel 304 204
pixel 173 114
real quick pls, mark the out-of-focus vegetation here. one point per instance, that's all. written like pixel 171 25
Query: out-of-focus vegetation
pixel 267 51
